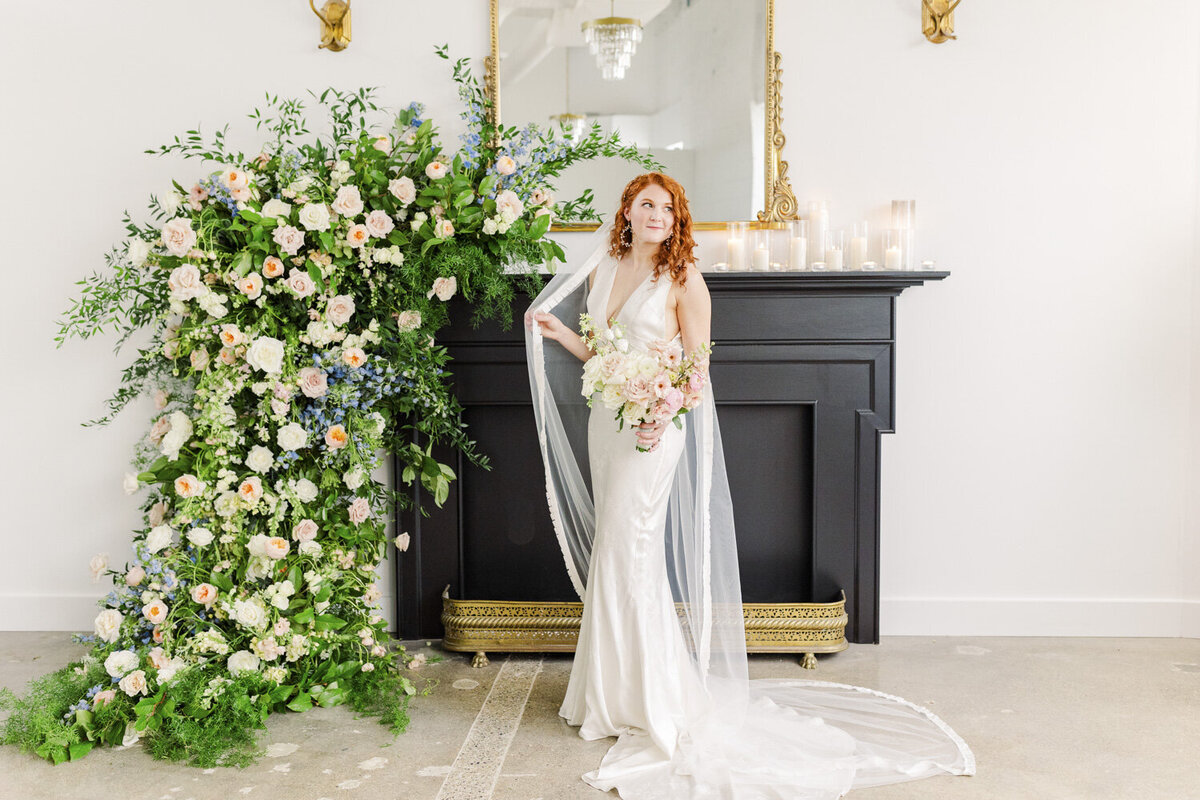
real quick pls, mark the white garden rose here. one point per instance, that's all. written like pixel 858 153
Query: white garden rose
pixel 243 661
pixel 120 663
pixel 226 504
pixel 508 205
pixel 159 537
pixel 292 436
pixel 260 459
pixel 186 283
pixel 108 625
pixel 306 490
pixel 137 250
pixel 276 208
pixel 315 217
pixel 178 236
pixel 340 309
pixel 354 478
pixel 200 536
pixel 97 565
pixel 403 189
pixel 444 288
pixel 168 672
pixel 320 332
pixel 177 436
pixel 266 353
pixel 348 201
pixel 250 613
pixel 134 683
pixel 408 320
pixel 130 483
pixel 402 541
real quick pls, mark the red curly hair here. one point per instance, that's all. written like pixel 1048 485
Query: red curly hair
pixel 675 253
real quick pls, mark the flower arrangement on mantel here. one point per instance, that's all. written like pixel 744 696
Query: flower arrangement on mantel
pixel 293 296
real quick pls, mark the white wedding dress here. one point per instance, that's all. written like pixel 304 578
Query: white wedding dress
pixel 672 684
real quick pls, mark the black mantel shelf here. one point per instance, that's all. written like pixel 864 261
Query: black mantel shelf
pixel 803 368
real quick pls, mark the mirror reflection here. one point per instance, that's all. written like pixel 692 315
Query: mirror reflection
pixel 682 79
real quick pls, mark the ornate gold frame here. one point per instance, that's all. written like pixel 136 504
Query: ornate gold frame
pixel 517 626
pixel 779 204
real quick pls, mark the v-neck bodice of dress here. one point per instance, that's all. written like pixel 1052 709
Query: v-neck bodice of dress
pixel 644 315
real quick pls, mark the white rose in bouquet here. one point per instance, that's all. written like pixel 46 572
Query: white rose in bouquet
pixel 120 663
pixel 243 661
pixel 134 683
pixel 108 624
pixel 276 208
pixel 178 236
pixel 260 459
pixel 292 436
pixel 403 189
pixel 266 354
pixel 179 434
pixel 137 250
pixel 306 490
pixel 250 613
pixel 159 537
pixel 340 309
pixel 315 217
pixel 186 283
pixel 200 536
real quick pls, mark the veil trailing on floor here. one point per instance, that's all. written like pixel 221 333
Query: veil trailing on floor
pixel 787 738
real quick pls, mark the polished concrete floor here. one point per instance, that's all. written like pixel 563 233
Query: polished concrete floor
pixel 1047 718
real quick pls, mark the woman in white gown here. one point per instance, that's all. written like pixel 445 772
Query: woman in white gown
pixel 649 546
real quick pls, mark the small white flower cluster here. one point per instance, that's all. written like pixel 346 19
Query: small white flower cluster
pixel 387 255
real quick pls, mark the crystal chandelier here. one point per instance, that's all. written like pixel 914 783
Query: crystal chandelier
pixel 612 40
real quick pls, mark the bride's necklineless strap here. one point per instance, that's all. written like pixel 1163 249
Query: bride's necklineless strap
pixel 612 282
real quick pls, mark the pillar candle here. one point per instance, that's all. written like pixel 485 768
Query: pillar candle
pixel 858 252
pixel 798 252
pixel 891 258
pixel 833 259
pixel 737 254
pixel 762 258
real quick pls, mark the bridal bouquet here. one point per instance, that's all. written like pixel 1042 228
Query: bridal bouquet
pixel 656 384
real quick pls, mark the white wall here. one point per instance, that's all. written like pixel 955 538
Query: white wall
pixel 1042 476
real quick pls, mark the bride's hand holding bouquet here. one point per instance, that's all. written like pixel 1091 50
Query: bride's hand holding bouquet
pixel 651 386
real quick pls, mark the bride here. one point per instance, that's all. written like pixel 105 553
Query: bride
pixel 647 537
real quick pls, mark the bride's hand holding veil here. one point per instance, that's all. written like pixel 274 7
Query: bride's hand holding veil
pixel 553 328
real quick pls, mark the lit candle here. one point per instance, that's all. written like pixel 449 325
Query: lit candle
pixel 798 252
pixel 761 258
pixel 891 258
pixel 833 259
pixel 858 251
pixel 737 253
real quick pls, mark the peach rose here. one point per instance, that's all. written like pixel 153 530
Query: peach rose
pixel 155 611
pixel 443 229
pixel 435 170
pixel 199 359
pixel 228 356
pixel 197 195
pixel 273 267
pixel 336 437
pixel 178 236
pixel 505 165
pixel 313 382
pixel 188 486
pixel 251 490
pixel 231 336
pixel 135 576
pixel 305 531
pixel 357 236
pixel 251 285
pixel 359 511
pixel 158 511
pixel 354 357
pixel 379 224
pixel 204 593
pixel 158 657
pixel 235 179
pixel 102 697
pixel 241 195
pixel 276 547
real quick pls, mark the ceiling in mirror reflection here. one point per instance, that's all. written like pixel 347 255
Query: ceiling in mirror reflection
pixel 692 95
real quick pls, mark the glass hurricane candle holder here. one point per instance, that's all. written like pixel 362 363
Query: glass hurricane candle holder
pixel 797 239
pixel 893 250
pixel 738 244
pixel 835 247
pixel 858 245
pixel 760 255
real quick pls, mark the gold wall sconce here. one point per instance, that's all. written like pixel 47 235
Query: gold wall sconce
pixel 335 24
pixel 937 19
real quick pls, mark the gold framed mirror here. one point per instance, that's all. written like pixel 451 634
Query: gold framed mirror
pixel 717 116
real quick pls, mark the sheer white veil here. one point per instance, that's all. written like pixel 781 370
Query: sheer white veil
pixel 740 726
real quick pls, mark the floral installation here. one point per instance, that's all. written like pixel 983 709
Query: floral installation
pixel 651 385
pixel 293 296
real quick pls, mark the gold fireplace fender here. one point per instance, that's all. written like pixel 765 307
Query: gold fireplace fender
pixel 509 626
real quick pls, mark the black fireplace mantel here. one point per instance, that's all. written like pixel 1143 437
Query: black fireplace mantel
pixel 803 370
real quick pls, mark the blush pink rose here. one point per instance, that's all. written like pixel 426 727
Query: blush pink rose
pixel 204 593
pixel 185 282
pixel 251 490
pixel 505 165
pixel 305 531
pixel 674 400
pixel 228 356
pixel 276 547
pixel 289 238
pixel 134 576
pixel 240 195
pixel 348 202
pixel 359 511
pixel 313 382
pixel 178 236
pixel 159 429
pixel 102 697
pixel 251 285
pixel 444 288
pixel 300 283
pixel 408 320
pixel 340 309
pixel 158 657
pixel 403 189
pixel 235 179
pixel 379 224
